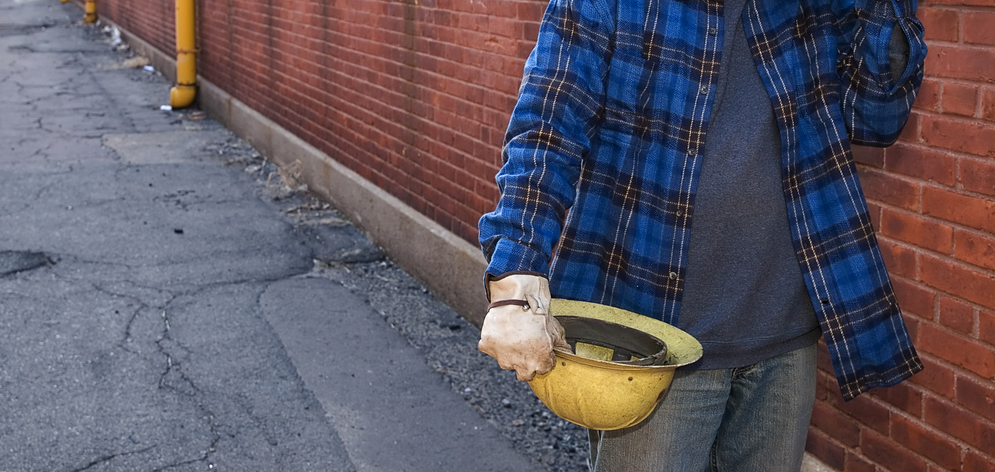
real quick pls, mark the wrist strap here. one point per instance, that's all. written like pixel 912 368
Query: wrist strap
pixel 522 303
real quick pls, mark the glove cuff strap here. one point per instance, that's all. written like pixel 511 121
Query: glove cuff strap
pixel 522 303
pixel 488 278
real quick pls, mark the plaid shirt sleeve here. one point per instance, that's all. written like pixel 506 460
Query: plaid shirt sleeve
pixel 849 88
pixel 561 101
pixel 876 104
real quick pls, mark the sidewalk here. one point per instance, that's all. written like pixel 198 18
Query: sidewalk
pixel 168 301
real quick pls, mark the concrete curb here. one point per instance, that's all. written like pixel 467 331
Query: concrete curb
pixel 450 267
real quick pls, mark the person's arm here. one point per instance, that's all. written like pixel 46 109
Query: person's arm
pixel 880 65
pixel 560 102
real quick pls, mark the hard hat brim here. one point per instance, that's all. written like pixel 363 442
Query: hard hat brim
pixel 682 348
pixel 605 395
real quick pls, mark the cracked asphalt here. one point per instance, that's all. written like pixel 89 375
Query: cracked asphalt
pixel 170 301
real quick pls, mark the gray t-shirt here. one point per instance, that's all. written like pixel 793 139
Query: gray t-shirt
pixel 745 297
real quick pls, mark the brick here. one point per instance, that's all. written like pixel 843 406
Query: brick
pixel 912 324
pixel 467 231
pixel 480 205
pixel 975 248
pixel 958 135
pixel 867 411
pixel 913 436
pixel 871 156
pixel 506 28
pixel 976 396
pixel 855 463
pixel 958 62
pixel 914 298
pixel 957 349
pixel 913 229
pixel 879 449
pixel 911 131
pixel 874 213
pixel 935 377
pixel 988 103
pixel 978 175
pixel 956 315
pixel 986 327
pixel 975 461
pixel 958 280
pixel 978 27
pixel 960 423
pixel 825 385
pixel 903 396
pixel 958 208
pixel 928 97
pixel 530 11
pixel 922 163
pixel 899 259
pixel 940 24
pixel 832 422
pixel 825 449
pixel 888 189
pixel 959 99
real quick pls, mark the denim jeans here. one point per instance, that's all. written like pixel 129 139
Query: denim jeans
pixel 747 419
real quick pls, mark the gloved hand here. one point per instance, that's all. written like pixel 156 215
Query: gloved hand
pixel 519 331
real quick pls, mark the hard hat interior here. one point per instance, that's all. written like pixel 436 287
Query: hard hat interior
pixel 607 341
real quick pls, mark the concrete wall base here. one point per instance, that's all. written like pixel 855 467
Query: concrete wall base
pixel 448 266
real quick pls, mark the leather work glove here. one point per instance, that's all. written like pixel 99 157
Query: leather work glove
pixel 519 331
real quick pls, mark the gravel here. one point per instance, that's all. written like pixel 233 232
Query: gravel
pixel 449 344
pixel 447 341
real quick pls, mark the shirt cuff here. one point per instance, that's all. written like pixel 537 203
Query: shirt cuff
pixel 510 256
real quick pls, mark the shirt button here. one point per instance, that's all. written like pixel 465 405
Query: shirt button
pixel 680 213
pixel 713 31
pixel 704 90
pixel 673 276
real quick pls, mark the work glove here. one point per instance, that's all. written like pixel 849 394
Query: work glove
pixel 519 330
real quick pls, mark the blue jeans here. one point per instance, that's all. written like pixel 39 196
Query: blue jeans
pixel 747 419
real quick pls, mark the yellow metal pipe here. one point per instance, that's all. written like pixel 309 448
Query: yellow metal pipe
pixel 91 12
pixel 186 56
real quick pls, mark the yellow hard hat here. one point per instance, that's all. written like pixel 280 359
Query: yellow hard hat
pixel 621 366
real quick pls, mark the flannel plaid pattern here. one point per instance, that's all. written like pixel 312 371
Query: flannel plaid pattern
pixel 602 156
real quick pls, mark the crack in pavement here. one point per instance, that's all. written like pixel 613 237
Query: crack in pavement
pixel 7 30
pixel 15 262
pixel 164 384
pixel 141 306
pixel 173 379
pixel 109 457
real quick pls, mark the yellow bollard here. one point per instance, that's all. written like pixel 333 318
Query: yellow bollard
pixel 91 12
pixel 186 56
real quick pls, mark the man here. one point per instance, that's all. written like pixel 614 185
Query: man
pixel 689 160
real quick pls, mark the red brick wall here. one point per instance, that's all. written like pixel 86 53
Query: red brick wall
pixel 415 96
pixel 932 198
pixel 153 21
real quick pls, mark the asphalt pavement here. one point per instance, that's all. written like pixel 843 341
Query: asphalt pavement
pixel 170 301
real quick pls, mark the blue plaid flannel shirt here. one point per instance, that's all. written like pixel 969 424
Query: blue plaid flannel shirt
pixel 602 156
